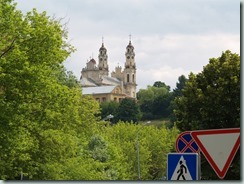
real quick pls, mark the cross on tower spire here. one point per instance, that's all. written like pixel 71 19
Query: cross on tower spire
pixel 130 37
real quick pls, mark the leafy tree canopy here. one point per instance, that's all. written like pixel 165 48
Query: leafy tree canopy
pixel 154 101
pixel 160 84
pixel 128 110
pixel 211 100
pixel 43 114
pixel 180 86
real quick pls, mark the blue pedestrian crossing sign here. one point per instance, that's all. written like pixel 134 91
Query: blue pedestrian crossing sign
pixel 182 166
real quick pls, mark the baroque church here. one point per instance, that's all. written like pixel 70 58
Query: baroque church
pixel 95 79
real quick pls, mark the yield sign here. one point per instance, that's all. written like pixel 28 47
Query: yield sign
pixel 219 146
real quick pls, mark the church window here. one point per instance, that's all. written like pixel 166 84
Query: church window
pixel 128 77
pixel 133 78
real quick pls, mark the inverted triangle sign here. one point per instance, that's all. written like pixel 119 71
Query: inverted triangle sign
pixel 219 147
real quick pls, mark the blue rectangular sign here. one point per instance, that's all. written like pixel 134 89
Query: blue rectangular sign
pixel 182 166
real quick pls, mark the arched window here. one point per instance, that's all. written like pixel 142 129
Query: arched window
pixel 128 77
pixel 133 78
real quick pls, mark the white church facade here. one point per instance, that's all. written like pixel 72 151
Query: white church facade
pixel 95 79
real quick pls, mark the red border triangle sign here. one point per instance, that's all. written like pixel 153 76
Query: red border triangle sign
pixel 219 147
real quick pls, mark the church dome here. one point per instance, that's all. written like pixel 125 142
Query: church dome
pixel 92 61
pixel 130 46
pixel 102 48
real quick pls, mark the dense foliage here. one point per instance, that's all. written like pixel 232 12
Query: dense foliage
pixel 109 108
pixel 48 130
pixel 42 115
pixel 155 101
pixel 126 110
pixel 211 100
pixel 177 93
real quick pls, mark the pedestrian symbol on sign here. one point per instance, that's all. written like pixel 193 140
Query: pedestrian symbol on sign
pixel 182 166
pixel 181 171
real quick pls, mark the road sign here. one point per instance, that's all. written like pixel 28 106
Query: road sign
pixel 219 146
pixel 186 144
pixel 182 166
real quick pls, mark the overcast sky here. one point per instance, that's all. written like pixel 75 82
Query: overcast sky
pixel 170 37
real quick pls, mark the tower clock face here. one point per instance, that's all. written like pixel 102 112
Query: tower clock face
pixel 128 57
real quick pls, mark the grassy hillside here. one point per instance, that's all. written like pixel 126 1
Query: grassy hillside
pixel 158 122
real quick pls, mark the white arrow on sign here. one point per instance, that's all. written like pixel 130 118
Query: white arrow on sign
pixel 219 146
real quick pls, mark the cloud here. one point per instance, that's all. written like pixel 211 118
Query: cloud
pixel 165 74
pixel 171 38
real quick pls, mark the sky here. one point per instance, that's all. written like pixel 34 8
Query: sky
pixel 170 37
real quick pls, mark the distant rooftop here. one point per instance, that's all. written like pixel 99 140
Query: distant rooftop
pixel 97 90
pixel 105 80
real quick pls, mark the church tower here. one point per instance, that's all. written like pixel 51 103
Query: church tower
pixel 103 61
pixel 130 71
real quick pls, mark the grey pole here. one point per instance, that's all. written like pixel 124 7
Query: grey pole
pixel 21 175
pixel 138 150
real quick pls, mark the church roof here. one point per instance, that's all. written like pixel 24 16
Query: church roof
pixel 92 61
pixel 87 82
pixel 110 80
pixel 106 80
pixel 97 90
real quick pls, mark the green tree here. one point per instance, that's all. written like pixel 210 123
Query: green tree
pixel 67 78
pixel 98 148
pixel 154 101
pixel 43 118
pixel 154 145
pixel 211 100
pixel 108 108
pixel 177 92
pixel 179 86
pixel 160 84
pixel 128 110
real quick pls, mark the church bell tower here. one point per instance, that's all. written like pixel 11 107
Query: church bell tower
pixel 130 71
pixel 103 61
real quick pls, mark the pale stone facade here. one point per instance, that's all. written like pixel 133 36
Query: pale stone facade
pixel 121 84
